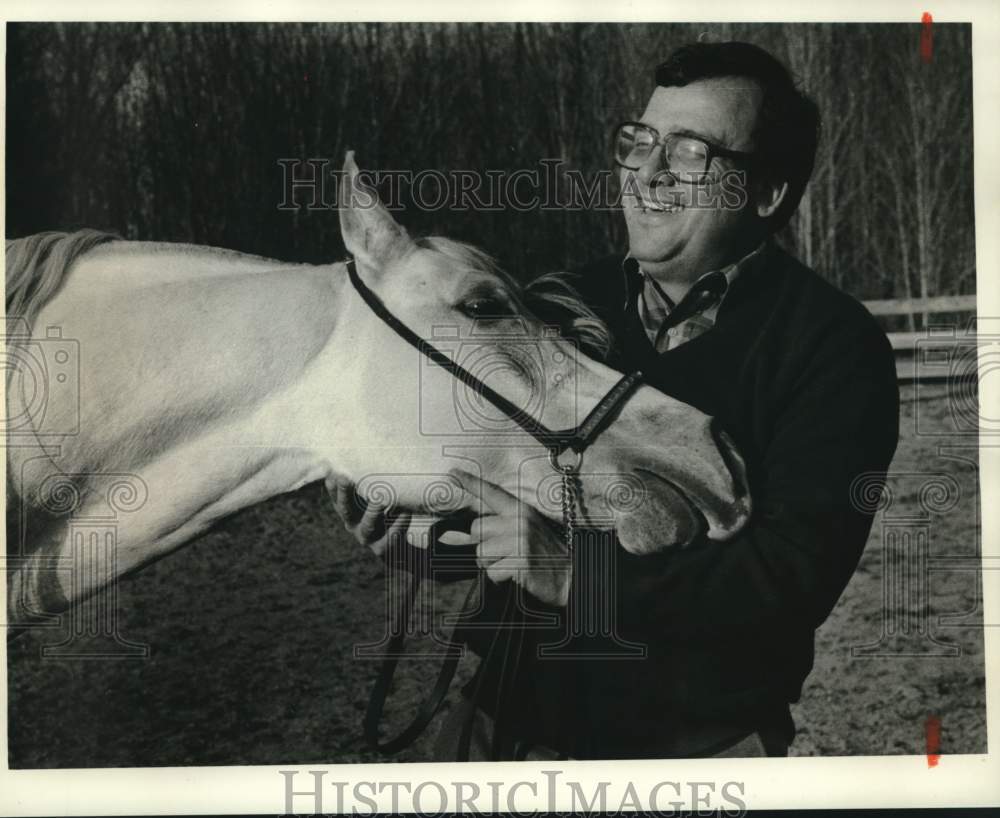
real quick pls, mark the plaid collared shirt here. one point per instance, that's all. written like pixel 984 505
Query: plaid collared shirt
pixel 669 325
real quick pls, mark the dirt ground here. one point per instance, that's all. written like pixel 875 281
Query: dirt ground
pixel 251 634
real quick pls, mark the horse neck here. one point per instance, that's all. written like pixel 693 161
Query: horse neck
pixel 200 341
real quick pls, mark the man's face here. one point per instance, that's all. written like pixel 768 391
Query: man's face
pixel 684 242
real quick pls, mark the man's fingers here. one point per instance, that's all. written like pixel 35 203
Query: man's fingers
pixel 497 500
pixel 417 528
pixel 509 549
pixel 395 536
pixel 503 570
pixel 348 505
pixel 496 548
pixel 481 529
pixel 403 531
pixel 398 528
pixel 371 527
pixel 457 538
pixel 380 547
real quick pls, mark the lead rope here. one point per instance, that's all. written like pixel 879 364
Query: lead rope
pixel 512 617
pixel 568 473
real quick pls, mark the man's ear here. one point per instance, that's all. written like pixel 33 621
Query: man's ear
pixel 770 195
pixel 369 231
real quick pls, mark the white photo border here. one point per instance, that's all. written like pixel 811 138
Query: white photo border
pixel 791 783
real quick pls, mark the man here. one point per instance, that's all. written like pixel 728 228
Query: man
pixel 795 371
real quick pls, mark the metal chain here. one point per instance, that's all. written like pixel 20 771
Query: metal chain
pixel 568 506
pixel 567 475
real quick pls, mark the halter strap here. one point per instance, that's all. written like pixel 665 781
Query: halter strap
pixel 557 442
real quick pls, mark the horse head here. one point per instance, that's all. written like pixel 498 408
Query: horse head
pixel 659 472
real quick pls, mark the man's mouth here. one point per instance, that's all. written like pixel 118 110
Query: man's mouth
pixel 646 206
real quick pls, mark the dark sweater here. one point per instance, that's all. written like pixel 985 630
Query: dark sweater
pixel 803 379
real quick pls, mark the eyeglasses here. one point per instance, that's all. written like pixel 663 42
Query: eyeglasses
pixel 687 158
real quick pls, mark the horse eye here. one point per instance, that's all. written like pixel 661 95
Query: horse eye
pixel 485 306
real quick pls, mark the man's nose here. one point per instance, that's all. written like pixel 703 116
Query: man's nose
pixel 653 172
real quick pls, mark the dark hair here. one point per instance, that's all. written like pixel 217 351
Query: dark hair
pixel 787 129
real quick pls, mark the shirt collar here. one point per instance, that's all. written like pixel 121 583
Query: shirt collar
pixel 635 278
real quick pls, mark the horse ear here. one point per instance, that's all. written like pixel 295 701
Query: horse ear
pixel 370 233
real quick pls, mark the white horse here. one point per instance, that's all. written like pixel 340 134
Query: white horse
pixel 179 384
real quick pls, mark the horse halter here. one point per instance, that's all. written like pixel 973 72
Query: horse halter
pixel 574 440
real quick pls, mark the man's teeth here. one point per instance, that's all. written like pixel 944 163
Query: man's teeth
pixel 664 208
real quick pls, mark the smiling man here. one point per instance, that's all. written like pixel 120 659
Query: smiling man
pixel 681 222
pixel 700 648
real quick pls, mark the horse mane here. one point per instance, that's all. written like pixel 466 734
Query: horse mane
pixel 37 266
pixel 550 297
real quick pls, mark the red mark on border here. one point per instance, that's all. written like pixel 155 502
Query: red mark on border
pixel 933 730
pixel 927 37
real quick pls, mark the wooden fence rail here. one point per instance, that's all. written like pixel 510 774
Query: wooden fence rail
pixel 908 306
pixel 925 356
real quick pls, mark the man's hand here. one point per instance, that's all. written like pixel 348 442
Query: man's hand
pixel 366 521
pixel 516 542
